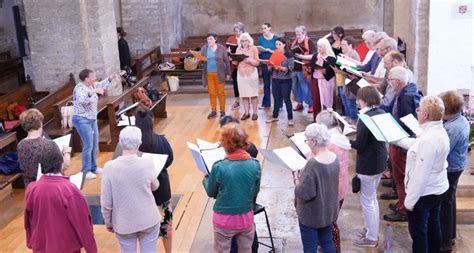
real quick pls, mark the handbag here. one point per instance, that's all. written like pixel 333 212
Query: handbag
pixel 355 184
pixel 141 95
pixel 153 93
pixel 66 114
pixel 191 63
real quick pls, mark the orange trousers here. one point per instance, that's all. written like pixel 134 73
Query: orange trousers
pixel 215 89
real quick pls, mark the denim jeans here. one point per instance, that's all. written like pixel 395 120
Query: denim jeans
pixel 424 225
pixel 281 89
pixel 266 76
pixel 301 88
pixel 448 210
pixel 350 105
pixel 312 236
pixel 89 133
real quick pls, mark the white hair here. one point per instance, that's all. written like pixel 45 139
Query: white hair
pixel 319 134
pixel 327 46
pixel 300 29
pixel 369 34
pixel 399 73
pixel 380 36
pixel 245 36
pixel 327 118
pixel 130 138
pixel 239 25
pixel 390 42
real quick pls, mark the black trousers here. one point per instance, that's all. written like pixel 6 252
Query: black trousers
pixel 234 83
pixel 448 210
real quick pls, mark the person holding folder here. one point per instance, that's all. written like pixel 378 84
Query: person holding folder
pixel 266 44
pixel 281 82
pixel 215 71
pixel 231 45
pixel 234 182
pixel 128 205
pixel 247 75
pixel 370 164
pixel 32 148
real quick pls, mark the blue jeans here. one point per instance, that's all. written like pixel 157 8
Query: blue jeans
pixel 301 88
pixel 281 89
pixel 424 225
pixel 266 76
pixel 350 105
pixel 89 133
pixel 311 236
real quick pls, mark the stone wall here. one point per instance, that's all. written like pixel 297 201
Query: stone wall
pixel 8 40
pixel 150 23
pixel 201 16
pixel 76 35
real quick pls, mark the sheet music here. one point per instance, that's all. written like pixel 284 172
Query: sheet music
pixel 389 127
pixel 341 60
pixel 158 159
pixel 201 166
pixel 211 156
pixel 291 158
pixel 411 122
pixel 63 141
pixel 76 179
pixel 124 120
pixel 120 112
pixel 299 139
pixel 347 129
pixel 273 158
pixel 205 145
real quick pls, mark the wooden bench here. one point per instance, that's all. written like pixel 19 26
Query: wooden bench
pixel 6 181
pixel 144 64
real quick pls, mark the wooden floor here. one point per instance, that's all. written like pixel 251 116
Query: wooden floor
pixel 186 121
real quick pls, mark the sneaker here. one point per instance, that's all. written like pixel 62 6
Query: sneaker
pixel 235 105
pixel 271 120
pixel 98 170
pixel 389 195
pixel 362 232
pixel 222 114
pixel 396 216
pixel 90 175
pixel 310 109
pixel 291 122
pixel 366 243
pixel 211 115
pixel 261 107
pixel 298 107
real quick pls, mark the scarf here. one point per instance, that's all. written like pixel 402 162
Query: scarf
pixel 239 154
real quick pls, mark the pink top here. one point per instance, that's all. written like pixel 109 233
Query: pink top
pixel 233 221
pixel 343 168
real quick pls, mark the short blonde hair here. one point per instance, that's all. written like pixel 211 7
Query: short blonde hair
pixel 31 119
pixel 433 106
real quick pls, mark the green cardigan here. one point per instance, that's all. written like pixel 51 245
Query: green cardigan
pixel 234 185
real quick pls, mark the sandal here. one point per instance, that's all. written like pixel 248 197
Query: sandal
pixel 254 117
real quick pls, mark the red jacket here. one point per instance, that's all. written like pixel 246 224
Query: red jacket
pixel 57 217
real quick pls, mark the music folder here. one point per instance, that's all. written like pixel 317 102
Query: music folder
pixel 198 55
pixel 286 158
pixel 238 57
pixel 205 154
pixel 384 127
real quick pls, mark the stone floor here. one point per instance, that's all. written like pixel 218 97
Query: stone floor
pixel 277 195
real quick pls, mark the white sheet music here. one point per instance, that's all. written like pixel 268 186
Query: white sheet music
pixel 63 141
pixel 291 158
pixel 205 145
pixel 201 166
pixel 76 179
pixel 389 127
pixel 211 156
pixel 124 120
pixel 299 139
pixel 158 159
pixel 412 123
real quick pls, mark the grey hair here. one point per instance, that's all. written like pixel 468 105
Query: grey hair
pixel 300 29
pixel 380 36
pixel 399 73
pixel 239 25
pixel 327 118
pixel 368 34
pixel 319 134
pixel 130 138
pixel 390 42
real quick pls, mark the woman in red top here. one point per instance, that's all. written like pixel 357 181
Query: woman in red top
pixel 56 215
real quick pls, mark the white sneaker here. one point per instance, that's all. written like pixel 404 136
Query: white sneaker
pixel 98 170
pixel 90 175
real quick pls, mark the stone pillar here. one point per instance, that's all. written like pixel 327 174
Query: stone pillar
pixel 422 42
pixel 68 36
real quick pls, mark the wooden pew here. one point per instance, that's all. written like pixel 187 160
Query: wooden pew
pixel 145 63
pixel 20 96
